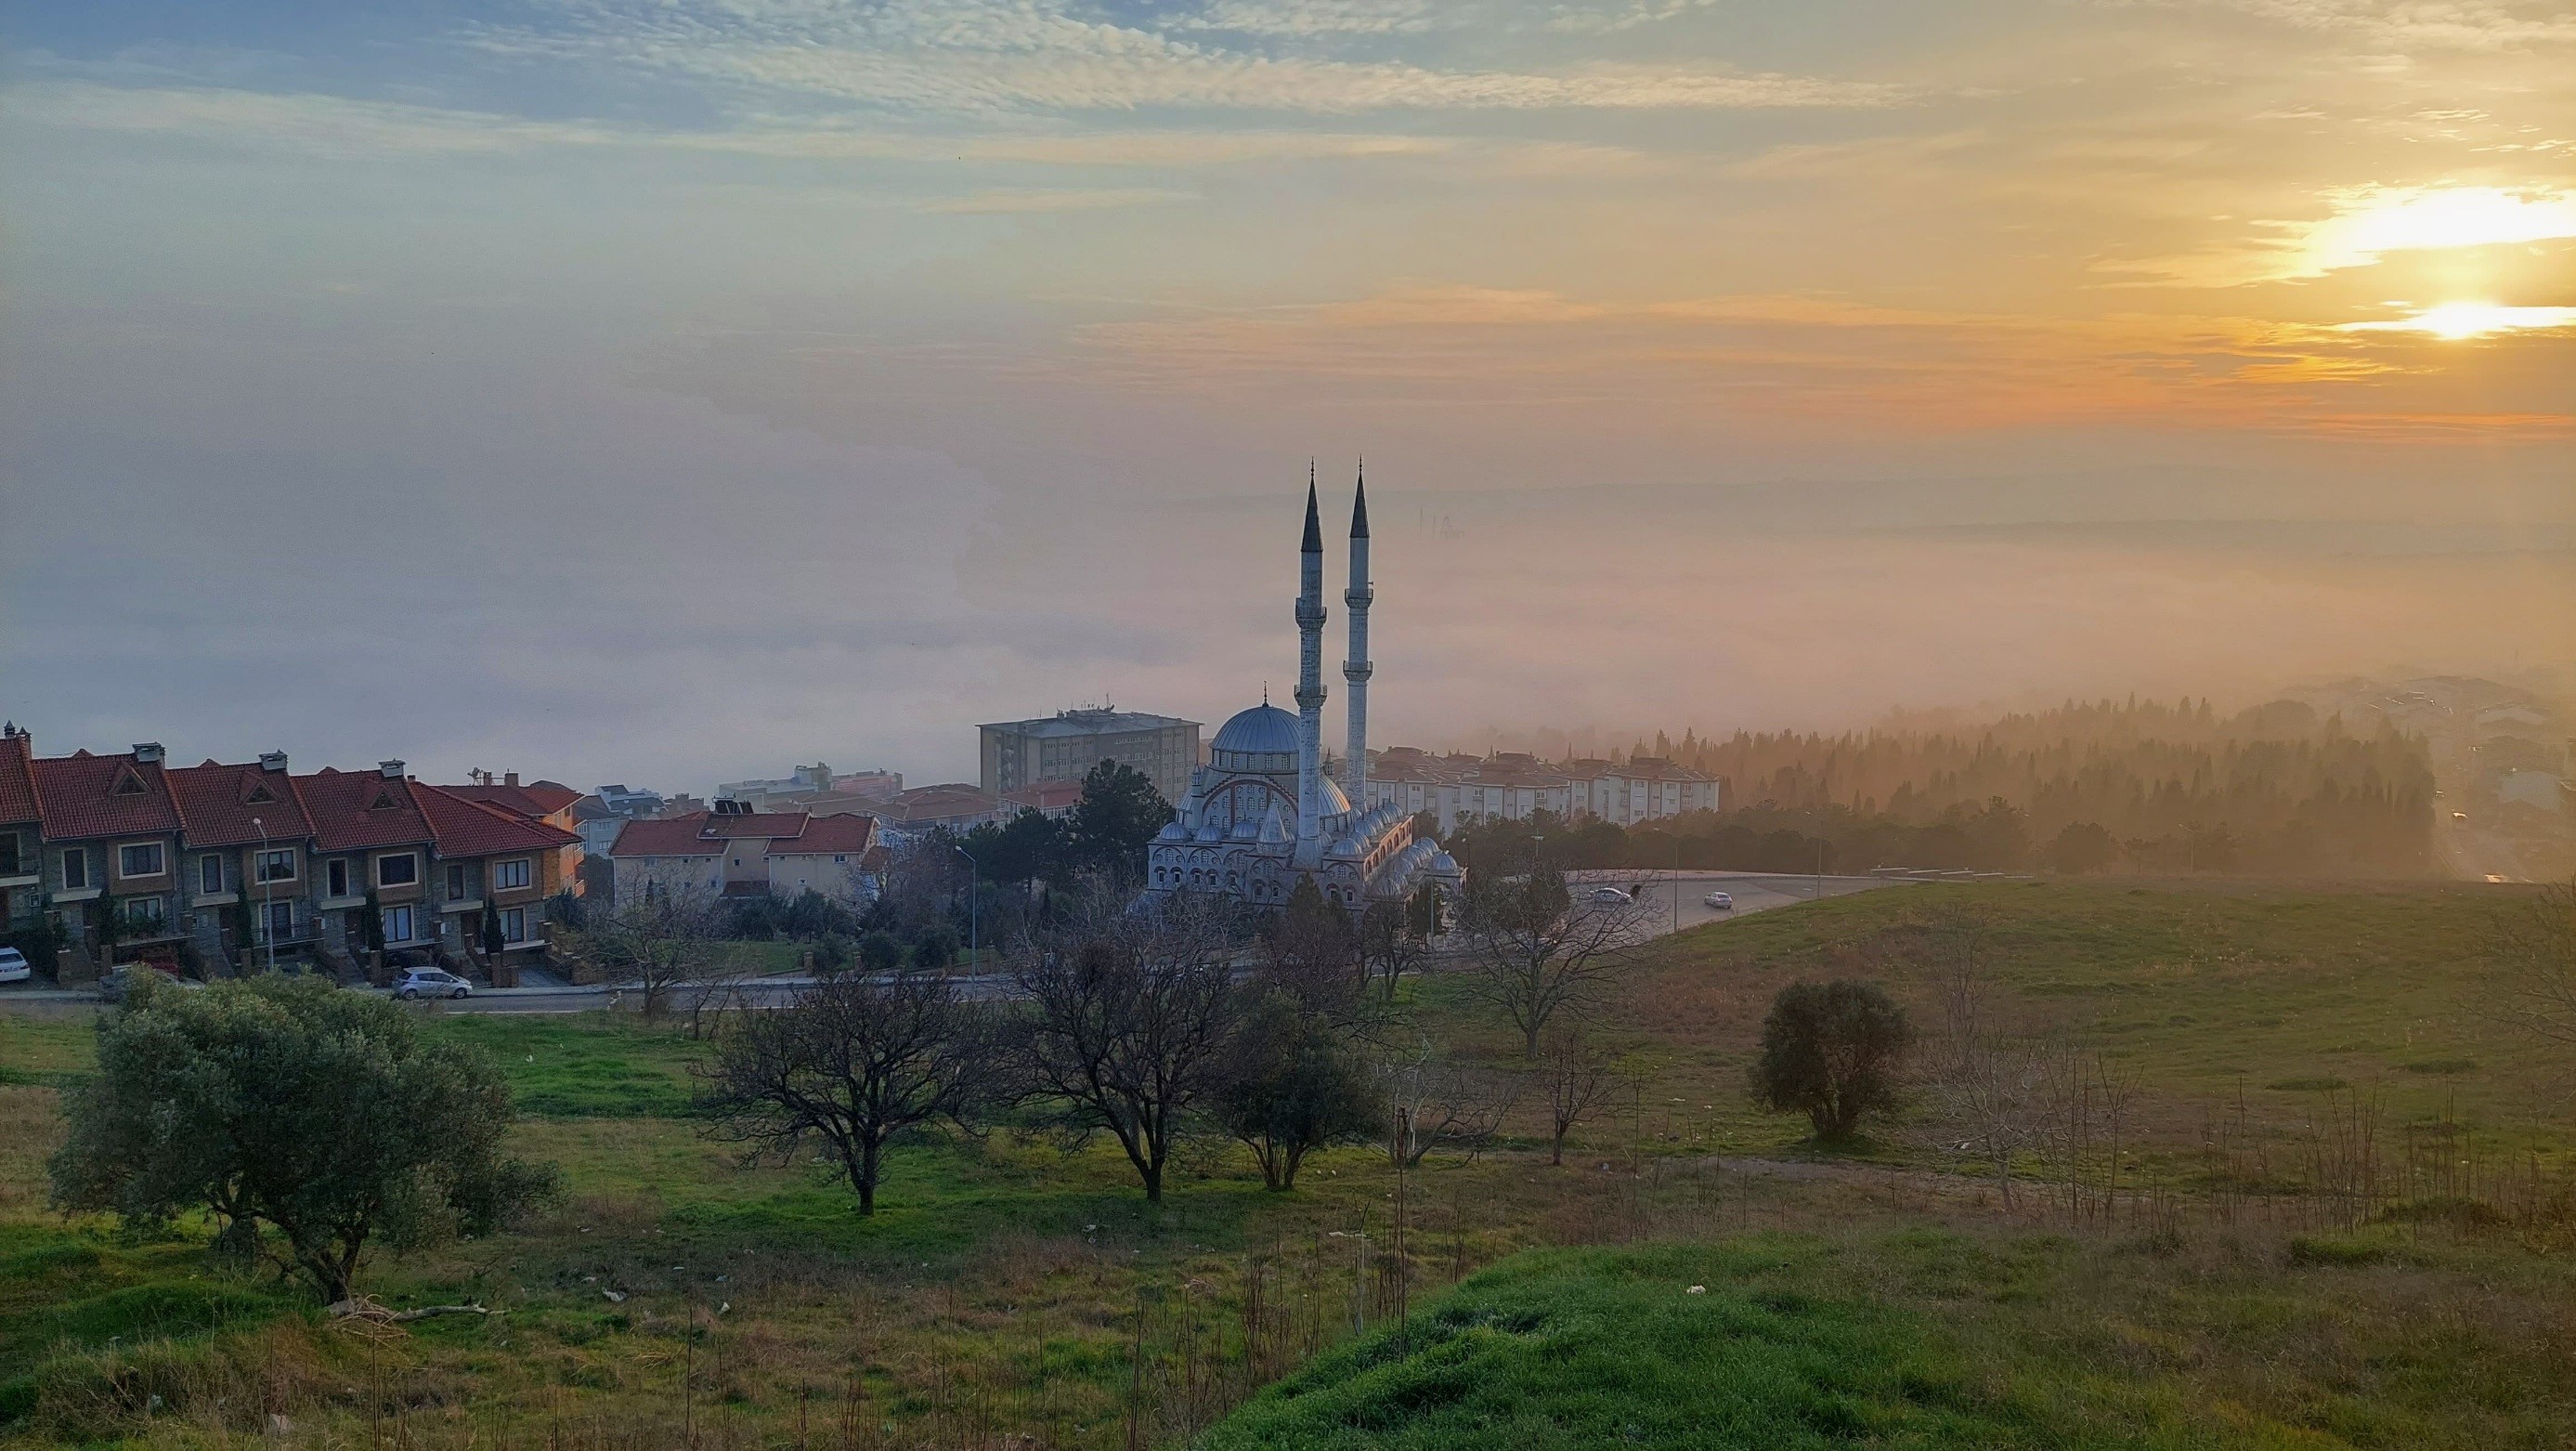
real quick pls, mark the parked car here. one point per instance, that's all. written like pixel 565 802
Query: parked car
pixel 430 982
pixel 1611 896
pixel 1719 900
pixel 13 965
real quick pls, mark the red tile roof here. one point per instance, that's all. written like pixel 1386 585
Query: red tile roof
pixel 18 799
pixel 834 835
pixel 91 796
pixel 465 828
pixel 669 836
pixel 1045 795
pixel 537 798
pixel 357 810
pixel 217 804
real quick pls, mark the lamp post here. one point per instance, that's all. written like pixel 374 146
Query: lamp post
pixel 259 869
pixel 974 896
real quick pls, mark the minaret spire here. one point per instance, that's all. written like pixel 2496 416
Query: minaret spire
pixel 1356 667
pixel 1310 684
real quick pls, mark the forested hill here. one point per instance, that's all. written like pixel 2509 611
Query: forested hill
pixel 2147 785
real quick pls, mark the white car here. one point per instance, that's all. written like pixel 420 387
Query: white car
pixel 429 982
pixel 1719 900
pixel 1611 897
pixel 13 965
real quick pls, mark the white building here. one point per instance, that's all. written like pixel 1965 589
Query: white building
pixel 1261 813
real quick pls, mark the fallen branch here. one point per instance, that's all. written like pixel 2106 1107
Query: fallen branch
pixel 365 1307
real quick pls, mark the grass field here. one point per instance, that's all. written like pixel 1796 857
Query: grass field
pixel 1012 1287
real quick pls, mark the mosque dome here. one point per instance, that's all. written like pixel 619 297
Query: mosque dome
pixel 1263 738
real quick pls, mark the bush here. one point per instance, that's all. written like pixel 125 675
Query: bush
pixel 879 952
pixel 935 947
pixel 1831 1050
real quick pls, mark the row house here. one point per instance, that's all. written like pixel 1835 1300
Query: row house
pixel 235 858
pixel 736 852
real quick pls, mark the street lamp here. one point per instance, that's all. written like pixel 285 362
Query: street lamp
pixel 974 896
pixel 259 869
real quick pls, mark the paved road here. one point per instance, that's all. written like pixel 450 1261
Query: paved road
pixel 1752 891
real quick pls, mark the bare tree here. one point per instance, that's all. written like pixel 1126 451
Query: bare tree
pixel 662 941
pixel 1132 1014
pixel 1434 1101
pixel 1310 952
pixel 853 1062
pixel 1534 948
pixel 1985 1093
pixel 1578 1076
pixel 2536 946
pixel 1395 937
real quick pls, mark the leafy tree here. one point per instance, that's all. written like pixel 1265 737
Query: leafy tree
pixel 1131 1015
pixel 1533 950
pixel 832 952
pixel 854 1062
pixel 281 1104
pixel 2080 847
pixel 1293 1087
pixel 371 923
pixel 1831 1049
pixel 1028 847
pixel 935 947
pixel 1118 815
pixel 494 944
pixel 880 952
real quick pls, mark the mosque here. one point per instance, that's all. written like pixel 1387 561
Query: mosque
pixel 1261 813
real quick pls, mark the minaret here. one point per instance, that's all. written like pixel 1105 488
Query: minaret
pixel 1310 685
pixel 1355 670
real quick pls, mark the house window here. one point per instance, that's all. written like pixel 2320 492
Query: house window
pixel 514 924
pixel 455 880
pixel 141 859
pixel 336 874
pixel 75 868
pixel 8 854
pixel 398 871
pixel 210 872
pixel 512 874
pixel 146 912
pixel 277 866
pixel 398 924
pixel 281 921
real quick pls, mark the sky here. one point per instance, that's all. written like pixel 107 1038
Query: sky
pixel 668 391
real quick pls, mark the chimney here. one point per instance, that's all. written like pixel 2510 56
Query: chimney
pixel 510 778
pixel 148 753
pixel 272 760
pixel 390 770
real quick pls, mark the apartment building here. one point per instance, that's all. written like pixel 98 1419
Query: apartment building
pixel 1066 745
pixel 1513 786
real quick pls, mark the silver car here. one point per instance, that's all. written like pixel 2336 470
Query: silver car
pixel 13 965
pixel 429 982
pixel 1720 900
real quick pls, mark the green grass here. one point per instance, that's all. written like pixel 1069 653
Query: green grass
pixel 587 1065
pixel 1600 1347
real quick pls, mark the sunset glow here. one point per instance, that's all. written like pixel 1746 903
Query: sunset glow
pixel 2372 222
pixel 2455 320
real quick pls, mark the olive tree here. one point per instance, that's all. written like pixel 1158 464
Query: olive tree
pixel 1831 1050
pixel 311 1123
pixel 1293 1086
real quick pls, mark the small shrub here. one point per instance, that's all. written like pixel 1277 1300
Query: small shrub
pixel 2336 1251
pixel 2444 1067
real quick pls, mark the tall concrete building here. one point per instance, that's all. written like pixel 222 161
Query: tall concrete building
pixel 1066 745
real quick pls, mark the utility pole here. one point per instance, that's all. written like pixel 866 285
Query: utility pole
pixel 974 897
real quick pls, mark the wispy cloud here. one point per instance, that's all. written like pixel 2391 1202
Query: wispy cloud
pixel 1048 199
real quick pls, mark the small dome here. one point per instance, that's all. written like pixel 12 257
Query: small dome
pixel 1263 730
pixel 1332 802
